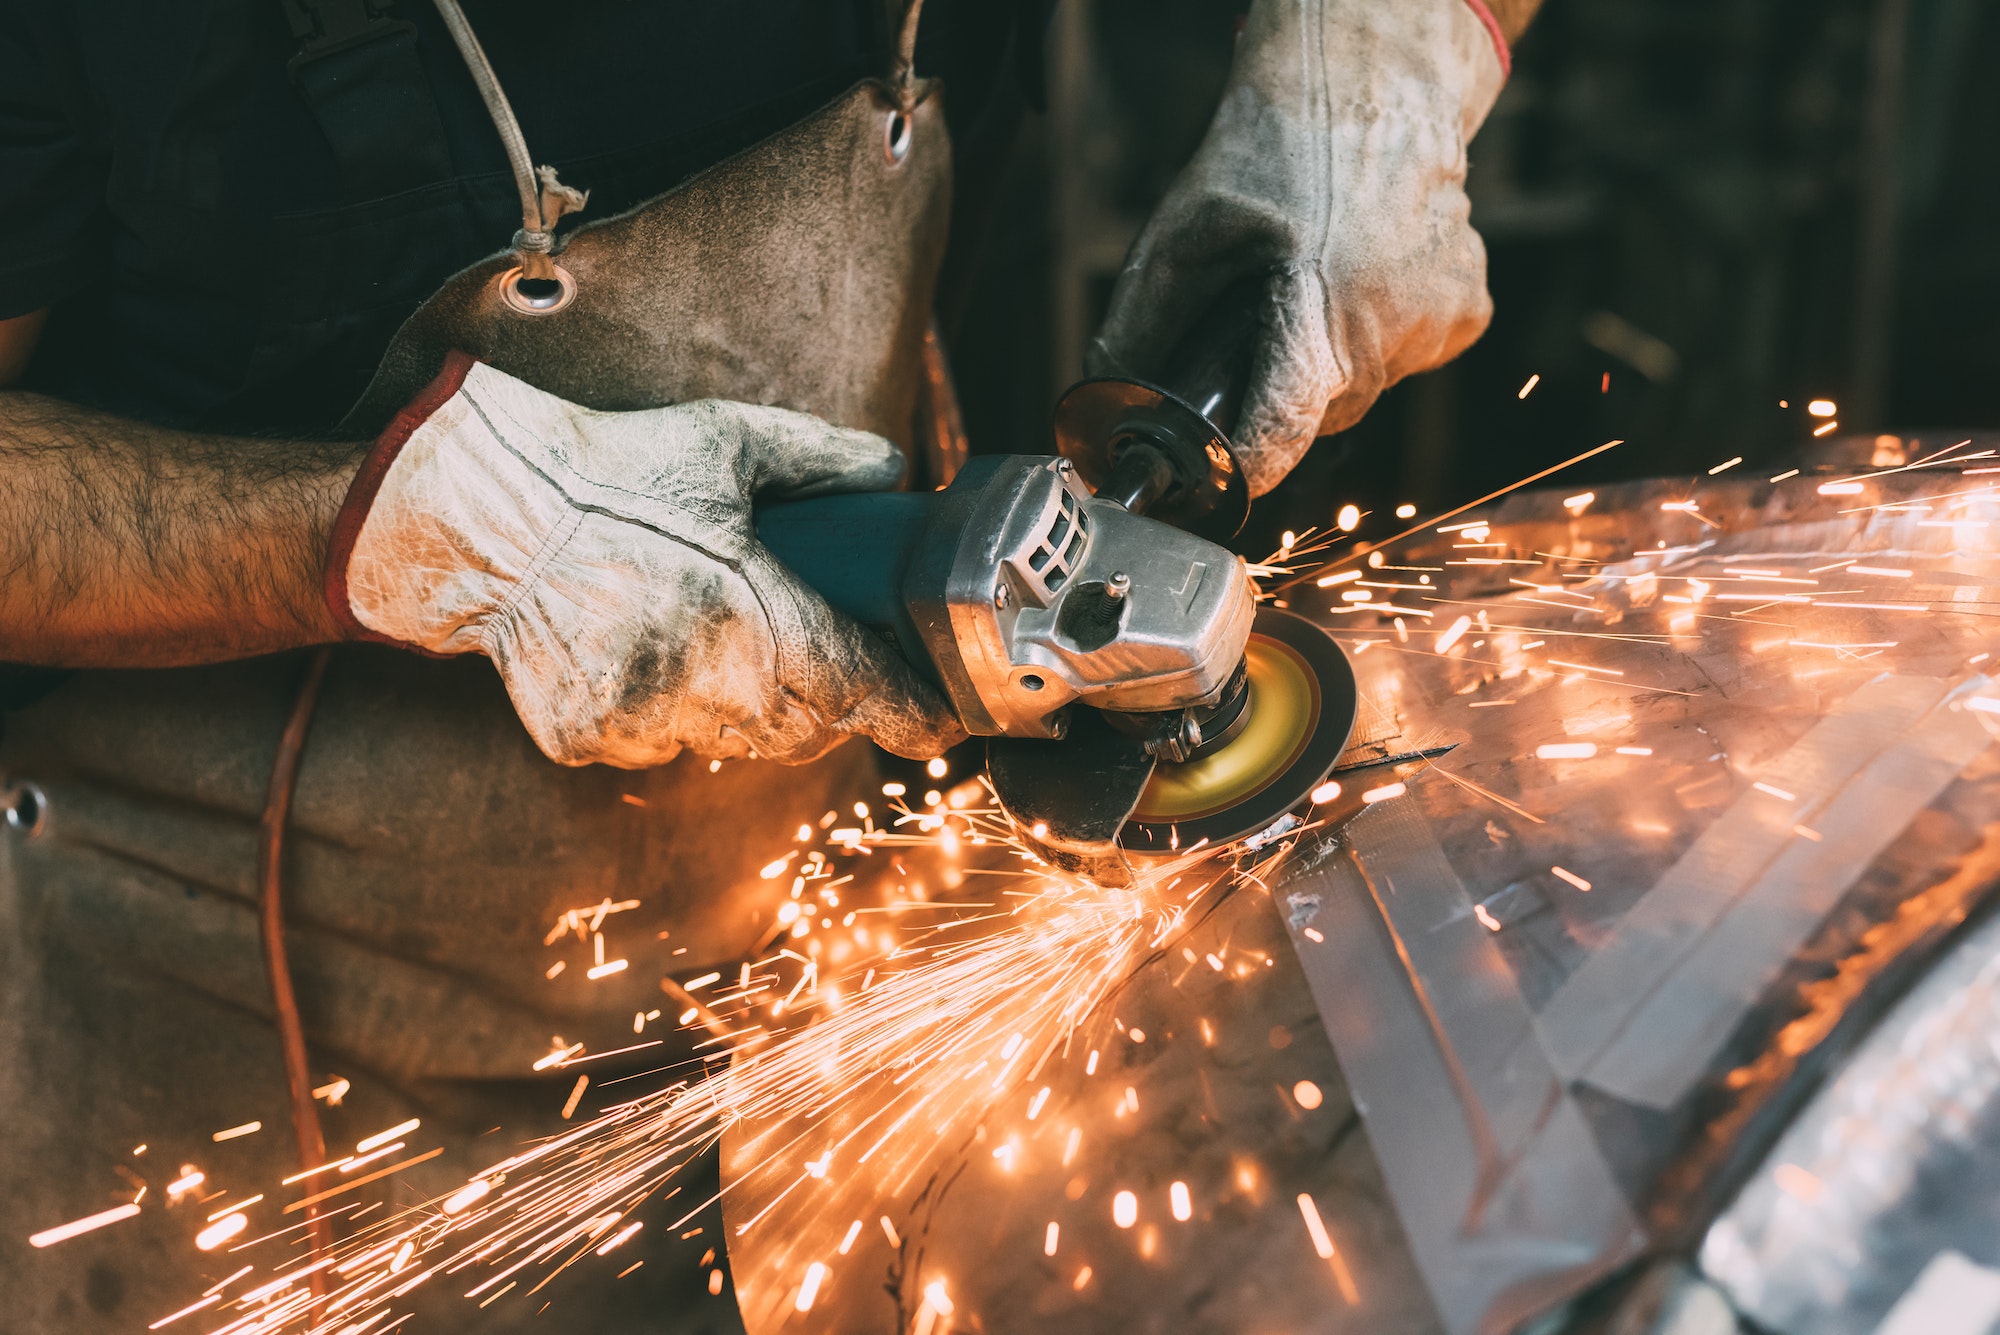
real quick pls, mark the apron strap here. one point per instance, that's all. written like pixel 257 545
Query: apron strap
pixel 544 199
pixel 903 78
pixel 358 72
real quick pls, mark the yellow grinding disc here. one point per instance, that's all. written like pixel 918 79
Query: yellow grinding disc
pixel 1284 709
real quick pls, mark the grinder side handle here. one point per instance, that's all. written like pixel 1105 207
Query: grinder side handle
pixel 1209 368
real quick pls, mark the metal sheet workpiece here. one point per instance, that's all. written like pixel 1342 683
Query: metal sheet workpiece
pixel 1722 783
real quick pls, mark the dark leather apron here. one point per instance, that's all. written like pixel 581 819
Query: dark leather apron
pixel 432 848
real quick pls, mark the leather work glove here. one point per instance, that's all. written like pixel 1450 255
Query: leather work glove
pixel 605 562
pixel 1336 165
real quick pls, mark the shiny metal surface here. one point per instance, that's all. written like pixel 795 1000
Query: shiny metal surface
pixel 1201 488
pixel 27 809
pixel 896 136
pixel 1213 1062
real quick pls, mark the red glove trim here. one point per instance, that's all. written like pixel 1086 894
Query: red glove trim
pixel 1485 16
pixel 361 492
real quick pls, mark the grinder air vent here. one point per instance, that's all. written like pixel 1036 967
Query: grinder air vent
pixel 1061 548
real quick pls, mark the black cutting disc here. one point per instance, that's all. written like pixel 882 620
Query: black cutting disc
pixel 1302 701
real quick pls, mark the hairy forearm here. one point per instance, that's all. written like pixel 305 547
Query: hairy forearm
pixel 128 545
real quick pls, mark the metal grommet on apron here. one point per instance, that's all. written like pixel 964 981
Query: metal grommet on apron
pixel 896 136
pixel 27 809
pixel 537 296
pixel 769 225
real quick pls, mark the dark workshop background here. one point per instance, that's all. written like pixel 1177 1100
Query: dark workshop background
pixel 1722 203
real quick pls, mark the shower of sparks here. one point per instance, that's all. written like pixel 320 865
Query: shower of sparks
pixel 1511 487
pixel 943 1008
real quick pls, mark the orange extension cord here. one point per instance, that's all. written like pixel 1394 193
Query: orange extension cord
pixel 271 923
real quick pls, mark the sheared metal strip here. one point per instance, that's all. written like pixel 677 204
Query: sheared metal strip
pixel 1508 1203
pixel 1673 1037
pixel 1595 1010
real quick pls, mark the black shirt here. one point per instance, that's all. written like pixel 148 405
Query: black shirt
pixel 177 201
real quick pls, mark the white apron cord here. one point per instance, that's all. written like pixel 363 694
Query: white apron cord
pixel 544 199
pixel 271 924
pixel 904 77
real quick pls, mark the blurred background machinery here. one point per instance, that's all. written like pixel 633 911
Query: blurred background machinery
pixel 1694 210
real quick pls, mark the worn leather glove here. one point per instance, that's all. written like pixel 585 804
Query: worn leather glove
pixel 1336 165
pixel 605 562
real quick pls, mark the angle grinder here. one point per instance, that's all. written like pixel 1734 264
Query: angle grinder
pixel 1081 614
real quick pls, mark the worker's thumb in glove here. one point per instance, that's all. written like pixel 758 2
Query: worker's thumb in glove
pixel 1331 347
pixel 1303 366
pixel 792 455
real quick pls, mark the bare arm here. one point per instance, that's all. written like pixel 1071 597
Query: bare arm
pixel 128 545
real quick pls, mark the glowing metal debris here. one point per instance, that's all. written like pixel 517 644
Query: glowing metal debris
pixel 49 1237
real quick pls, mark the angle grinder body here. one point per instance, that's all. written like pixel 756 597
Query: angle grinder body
pixel 1022 595
pixel 1082 614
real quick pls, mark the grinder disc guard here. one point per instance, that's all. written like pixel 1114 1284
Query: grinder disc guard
pixel 1302 708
